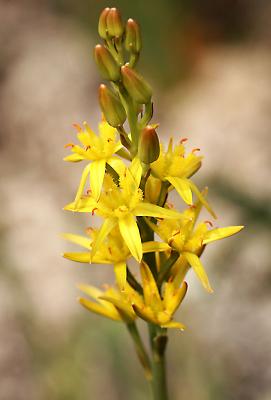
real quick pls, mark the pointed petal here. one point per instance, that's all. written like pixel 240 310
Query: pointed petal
pixel 86 204
pixel 99 309
pixel 183 188
pixel 82 184
pixel 130 233
pixel 96 294
pixel 150 247
pixel 221 233
pixel 136 170
pixel 73 158
pixel 150 289
pixel 106 227
pixel 145 313
pixel 202 199
pixel 174 325
pixel 197 266
pixel 125 308
pixel 121 273
pixel 78 257
pixel 78 239
pixel 97 171
pixel 173 296
pixel 151 210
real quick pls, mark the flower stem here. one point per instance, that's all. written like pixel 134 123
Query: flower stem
pixel 158 340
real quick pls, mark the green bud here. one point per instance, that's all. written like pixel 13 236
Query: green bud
pixel 102 25
pixel 111 107
pixel 135 85
pixel 115 26
pixel 148 147
pixel 133 37
pixel 108 67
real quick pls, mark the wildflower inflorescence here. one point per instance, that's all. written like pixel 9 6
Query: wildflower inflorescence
pixel 126 182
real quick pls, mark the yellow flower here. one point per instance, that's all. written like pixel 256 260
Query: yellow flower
pixel 110 303
pixel 99 150
pixel 182 236
pixel 155 308
pixel 176 168
pixel 127 305
pixel 112 251
pixel 119 205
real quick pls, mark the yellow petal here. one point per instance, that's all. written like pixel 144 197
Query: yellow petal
pixel 136 170
pixel 149 247
pixel 96 294
pixel 126 309
pixel 73 158
pixel 107 226
pixel 174 325
pixel 99 309
pixel 183 188
pixel 145 313
pixel 121 273
pixel 173 296
pixel 130 233
pixel 202 199
pixel 150 290
pixel 82 184
pixel 221 233
pixel 78 257
pixel 197 266
pixel 151 210
pixel 86 204
pixel 97 171
pixel 78 239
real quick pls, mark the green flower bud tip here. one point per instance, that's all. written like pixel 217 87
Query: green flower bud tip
pixel 149 147
pixel 135 85
pixel 102 25
pixel 111 106
pixel 133 37
pixel 115 26
pixel 108 67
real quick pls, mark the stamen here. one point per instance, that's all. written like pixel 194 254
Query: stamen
pixel 77 127
pixel 69 145
pixel 93 211
pixel 183 140
pixel 89 191
pixel 110 250
pixel 208 223
pixel 195 150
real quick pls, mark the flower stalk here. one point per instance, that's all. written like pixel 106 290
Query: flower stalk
pixel 127 179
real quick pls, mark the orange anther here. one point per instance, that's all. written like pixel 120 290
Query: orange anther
pixel 77 127
pixel 195 149
pixel 69 145
pixel 93 211
pixel 183 140
pixel 89 191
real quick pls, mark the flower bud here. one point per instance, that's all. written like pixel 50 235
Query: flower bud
pixel 115 26
pixel 149 147
pixel 133 36
pixel 108 67
pixel 135 85
pixel 111 107
pixel 102 25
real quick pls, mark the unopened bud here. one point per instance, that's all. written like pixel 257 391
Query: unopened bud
pixel 111 107
pixel 133 36
pixel 149 147
pixel 102 25
pixel 135 85
pixel 115 26
pixel 107 65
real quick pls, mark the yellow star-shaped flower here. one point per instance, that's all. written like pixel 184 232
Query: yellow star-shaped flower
pixel 99 150
pixel 176 168
pixel 119 205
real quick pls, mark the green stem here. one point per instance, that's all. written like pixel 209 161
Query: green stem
pixel 158 341
pixel 133 282
pixel 140 349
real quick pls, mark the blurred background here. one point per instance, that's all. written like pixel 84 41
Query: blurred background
pixel 210 65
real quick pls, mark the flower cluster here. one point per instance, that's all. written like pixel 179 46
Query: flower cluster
pixel 127 179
